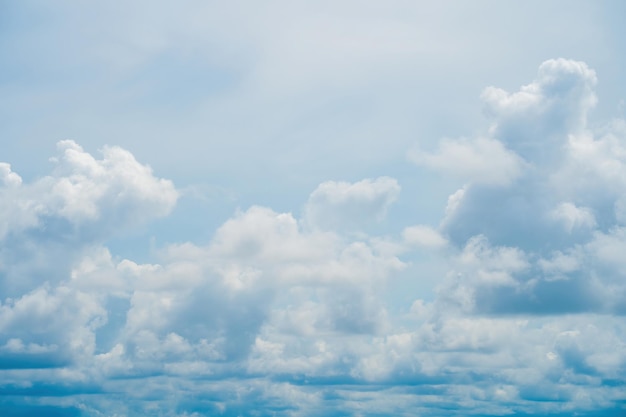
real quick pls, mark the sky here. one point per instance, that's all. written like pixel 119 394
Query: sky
pixel 298 208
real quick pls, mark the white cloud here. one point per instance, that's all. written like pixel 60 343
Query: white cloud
pixel 574 176
pixel 561 221
pixel 342 205
pixel 101 197
pixel 573 217
pixel 424 236
pixel 560 263
pixel 531 128
pixel 261 234
pixel 50 223
pixel 84 189
pixel 606 250
pixel 481 161
pixel 535 121
pixel 274 308
pixel 260 271
pixel 51 326
pixel 9 178
pixel 594 167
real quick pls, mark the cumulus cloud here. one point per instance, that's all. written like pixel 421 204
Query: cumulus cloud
pixel 573 217
pixel 46 224
pixel 115 191
pixel 536 120
pixel 49 328
pixel 9 178
pixel 481 160
pixel 49 230
pixel 343 205
pixel 563 218
pixel 566 194
pixel 292 315
pixel 424 236
pixel 202 308
pixel 198 310
pixel 84 194
pixel 531 128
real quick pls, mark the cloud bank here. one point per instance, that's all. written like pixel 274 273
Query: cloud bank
pixel 280 314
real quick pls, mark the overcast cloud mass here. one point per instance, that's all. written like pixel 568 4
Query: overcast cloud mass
pixel 242 208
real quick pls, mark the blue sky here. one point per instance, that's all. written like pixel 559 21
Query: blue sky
pixel 349 208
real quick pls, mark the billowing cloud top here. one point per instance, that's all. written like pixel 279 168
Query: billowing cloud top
pixel 279 314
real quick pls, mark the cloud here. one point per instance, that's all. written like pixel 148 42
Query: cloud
pixel 561 221
pixel 9 178
pixel 573 217
pixel 423 236
pixel 85 195
pixel 343 205
pixel 536 120
pixel 115 191
pixel 563 197
pixel 296 315
pixel 47 224
pixel 481 161
pixel 530 128
pixel 202 309
pixel 49 328
pixel 50 228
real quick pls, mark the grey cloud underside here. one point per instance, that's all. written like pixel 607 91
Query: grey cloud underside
pixel 286 315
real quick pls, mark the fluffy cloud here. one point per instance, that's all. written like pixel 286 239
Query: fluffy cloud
pixel 423 236
pixel 342 205
pixel 49 328
pixel 47 224
pixel 480 160
pixel 201 310
pixel 562 218
pixel 294 315
pixel 85 195
pixel 536 120
pixel 564 215
pixel 530 128
pixel 9 178
pixel 50 227
pixel 573 217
